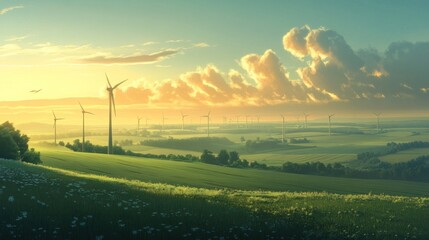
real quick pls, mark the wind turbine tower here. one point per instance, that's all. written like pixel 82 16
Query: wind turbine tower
pixel 55 126
pixel 305 117
pixel 329 118
pixel 83 125
pixel 163 122
pixel 208 123
pixel 138 123
pixel 283 128
pixel 377 115
pixel 183 120
pixel 110 89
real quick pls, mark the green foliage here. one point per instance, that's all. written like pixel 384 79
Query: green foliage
pixel 208 157
pixel 222 157
pixel 14 145
pixel 118 150
pixel 31 156
pixel 21 140
pixel 264 144
pixel 8 147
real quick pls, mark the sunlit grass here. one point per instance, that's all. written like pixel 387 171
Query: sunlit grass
pixel 46 202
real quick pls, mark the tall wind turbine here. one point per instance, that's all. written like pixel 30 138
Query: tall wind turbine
pixel 111 102
pixel 55 126
pixel 283 128
pixel 329 118
pixel 377 115
pixel 138 123
pixel 83 125
pixel 305 117
pixel 183 120
pixel 208 123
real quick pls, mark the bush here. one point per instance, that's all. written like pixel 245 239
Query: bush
pixel 31 156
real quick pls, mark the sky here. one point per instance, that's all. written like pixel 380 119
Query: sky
pixel 234 57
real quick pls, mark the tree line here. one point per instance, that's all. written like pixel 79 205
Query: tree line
pixel 76 146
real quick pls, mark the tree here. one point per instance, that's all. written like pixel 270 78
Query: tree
pixel 223 157
pixel 208 157
pixel 20 140
pixel 9 148
pixel 233 157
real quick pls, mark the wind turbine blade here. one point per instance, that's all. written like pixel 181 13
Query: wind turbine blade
pixel 89 112
pixel 112 98
pixel 117 85
pixel 81 107
pixel 208 115
pixel 55 117
pixel 60 119
pixel 110 85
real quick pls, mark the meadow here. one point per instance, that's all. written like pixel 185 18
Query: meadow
pixel 40 202
pixel 73 195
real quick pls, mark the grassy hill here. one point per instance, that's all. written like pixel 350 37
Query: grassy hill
pixel 42 202
pixel 198 174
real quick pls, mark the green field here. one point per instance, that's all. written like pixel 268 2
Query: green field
pixel 198 174
pixel 99 196
pixel 44 202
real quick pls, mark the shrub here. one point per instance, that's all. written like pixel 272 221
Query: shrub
pixel 31 156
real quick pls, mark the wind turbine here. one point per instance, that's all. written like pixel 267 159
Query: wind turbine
pixel 283 128
pixel 329 118
pixel 55 126
pixel 377 115
pixel 138 123
pixel 183 120
pixel 305 117
pixel 111 102
pixel 208 123
pixel 83 125
pixel 247 124
pixel 163 121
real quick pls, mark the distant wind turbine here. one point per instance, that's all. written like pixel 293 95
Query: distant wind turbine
pixel 183 120
pixel 36 90
pixel 283 128
pixel 208 123
pixel 247 123
pixel 305 117
pixel 111 102
pixel 138 123
pixel 163 122
pixel 83 125
pixel 329 118
pixel 55 126
pixel 377 115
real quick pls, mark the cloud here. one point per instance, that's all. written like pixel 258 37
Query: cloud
pixel 137 59
pixel 208 86
pixel 201 45
pixel 5 10
pixel 149 43
pixel 16 39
